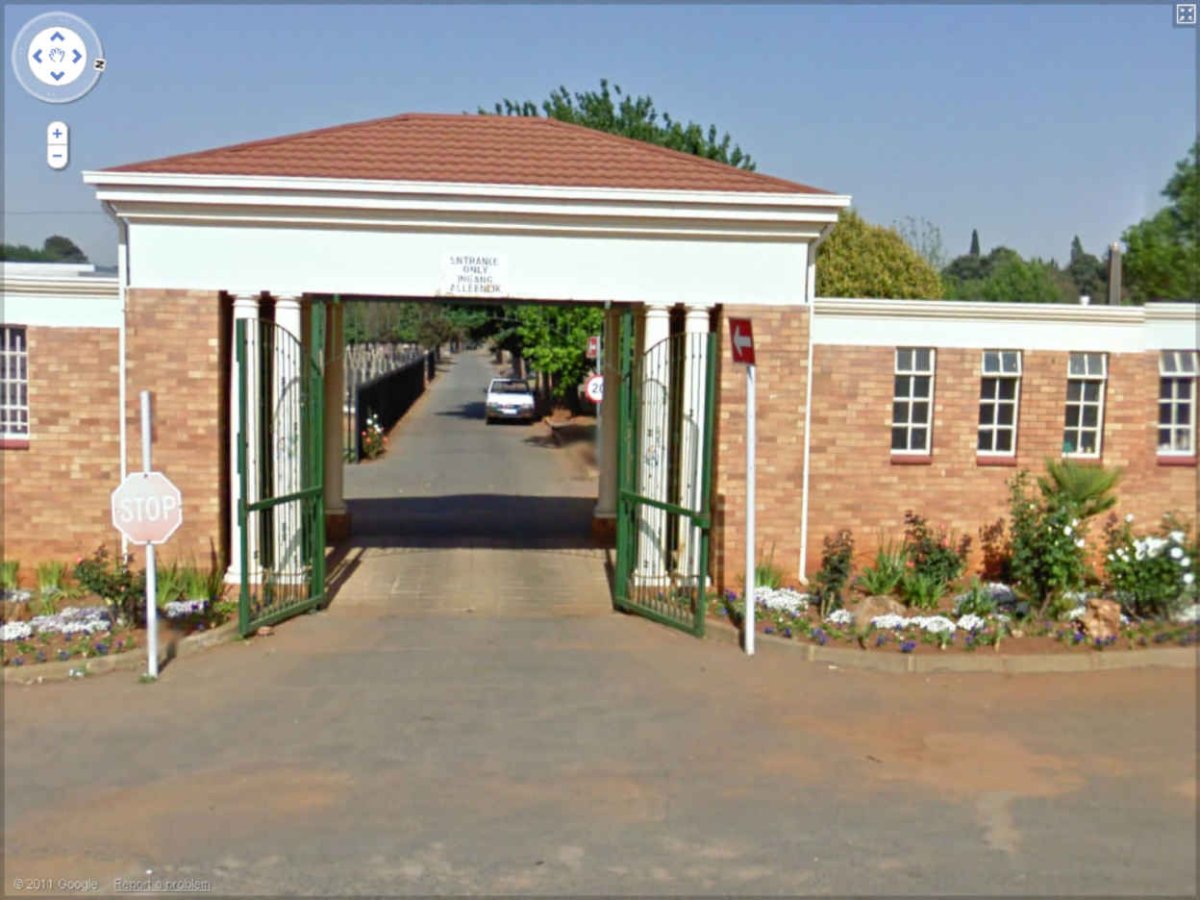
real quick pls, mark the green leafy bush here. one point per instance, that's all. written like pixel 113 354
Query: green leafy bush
pixel 1151 576
pixel 977 600
pixel 921 590
pixel 1088 489
pixel 884 576
pixel 8 574
pixel 830 580
pixel 116 583
pixel 933 554
pixel 1047 544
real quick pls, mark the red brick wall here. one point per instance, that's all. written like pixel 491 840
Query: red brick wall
pixel 781 346
pixel 177 347
pixel 56 492
pixel 854 482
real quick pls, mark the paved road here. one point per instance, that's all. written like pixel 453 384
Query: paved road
pixel 460 514
pixel 387 747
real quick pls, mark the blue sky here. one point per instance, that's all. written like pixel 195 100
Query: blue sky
pixel 1031 123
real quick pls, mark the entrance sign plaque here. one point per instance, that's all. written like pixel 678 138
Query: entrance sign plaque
pixel 474 275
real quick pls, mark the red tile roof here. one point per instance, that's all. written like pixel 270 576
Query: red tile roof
pixel 472 149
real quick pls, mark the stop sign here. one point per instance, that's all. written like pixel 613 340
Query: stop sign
pixel 147 508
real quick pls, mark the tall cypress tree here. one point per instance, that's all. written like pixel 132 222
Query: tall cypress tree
pixel 974 243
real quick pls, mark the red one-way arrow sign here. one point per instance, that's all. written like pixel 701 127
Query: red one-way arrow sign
pixel 742 336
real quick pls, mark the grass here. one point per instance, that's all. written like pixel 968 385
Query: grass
pixel 8 574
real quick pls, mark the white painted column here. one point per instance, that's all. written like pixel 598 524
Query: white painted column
pixel 335 422
pixel 655 436
pixel 245 308
pixel 286 438
pixel 607 439
pixel 693 412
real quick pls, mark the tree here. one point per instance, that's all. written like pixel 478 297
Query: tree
pixel 863 260
pixel 924 237
pixel 1086 272
pixel 974 251
pixel 632 117
pixel 554 340
pixel 56 248
pixel 1162 257
pixel 1003 276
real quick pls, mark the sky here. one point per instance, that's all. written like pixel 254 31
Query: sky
pixel 1031 123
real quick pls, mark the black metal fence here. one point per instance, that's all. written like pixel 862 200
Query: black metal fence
pixel 385 395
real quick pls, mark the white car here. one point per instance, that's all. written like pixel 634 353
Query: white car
pixel 509 398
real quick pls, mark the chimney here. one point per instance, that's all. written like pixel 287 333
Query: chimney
pixel 1114 275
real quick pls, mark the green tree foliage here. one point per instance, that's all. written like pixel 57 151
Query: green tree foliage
pixel 424 323
pixel 554 340
pixel 974 251
pixel 1087 489
pixel 1003 276
pixel 1162 257
pixel 863 260
pixel 56 248
pixel 632 117
pixel 1087 273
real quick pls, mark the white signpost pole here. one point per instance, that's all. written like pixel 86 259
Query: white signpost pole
pixel 151 573
pixel 751 414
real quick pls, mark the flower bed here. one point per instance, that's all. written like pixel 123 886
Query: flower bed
pixel 792 615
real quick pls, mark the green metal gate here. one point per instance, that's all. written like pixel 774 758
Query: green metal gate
pixel 281 468
pixel 664 477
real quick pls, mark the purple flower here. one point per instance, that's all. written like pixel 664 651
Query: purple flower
pixel 64 655
pixel 18 661
pixel 787 632
pixel 41 657
pixel 1076 637
pixel 819 635
pixel 101 648
pixel 770 629
pixel 880 640
pixel 908 646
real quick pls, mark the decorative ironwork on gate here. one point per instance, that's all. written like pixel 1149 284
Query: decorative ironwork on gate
pixel 664 476
pixel 280 461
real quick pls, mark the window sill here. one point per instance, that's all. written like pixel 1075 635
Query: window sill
pixel 14 443
pixel 1184 461
pixel 916 459
pixel 1010 461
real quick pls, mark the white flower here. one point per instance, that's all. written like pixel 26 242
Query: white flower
pixel 1190 614
pixel 1123 553
pixel 840 617
pixel 970 621
pixel 1080 542
pixel 1128 517
pixel 1188 577
pixel 15 631
pixel 890 620
pixel 1074 523
pixel 1177 536
pixel 1176 553
pixel 1185 562
pixel 1076 613
pixel 784 599
pixel 1111 557
pixel 1068 530
pixel 933 624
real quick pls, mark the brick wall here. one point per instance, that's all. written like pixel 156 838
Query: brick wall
pixel 177 347
pixel 56 492
pixel 781 347
pixel 854 481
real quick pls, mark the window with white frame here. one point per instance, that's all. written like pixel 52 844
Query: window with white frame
pixel 1084 425
pixel 999 396
pixel 912 400
pixel 1177 371
pixel 14 383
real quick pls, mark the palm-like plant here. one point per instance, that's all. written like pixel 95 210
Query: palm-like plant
pixel 1088 489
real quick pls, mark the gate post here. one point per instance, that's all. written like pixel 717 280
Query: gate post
pixel 604 517
pixel 245 309
pixel 337 519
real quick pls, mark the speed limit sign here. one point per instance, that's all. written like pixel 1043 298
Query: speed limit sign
pixel 593 388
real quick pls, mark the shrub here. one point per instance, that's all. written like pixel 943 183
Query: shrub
pixel 374 441
pixel 931 554
pixel 1152 575
pixel 168 584
pixel 884 576
pixel 1087 489
pixel 830 580
pixel 116 583
pixel 977 601
pixel 50 578
pixel 1047 544
pixel 767 574
pixel 8 574
pixel 921 590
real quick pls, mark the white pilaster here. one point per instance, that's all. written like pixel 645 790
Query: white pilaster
pixel 655 442
pixel 692 418
pixel 245 308
pixel 286 438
